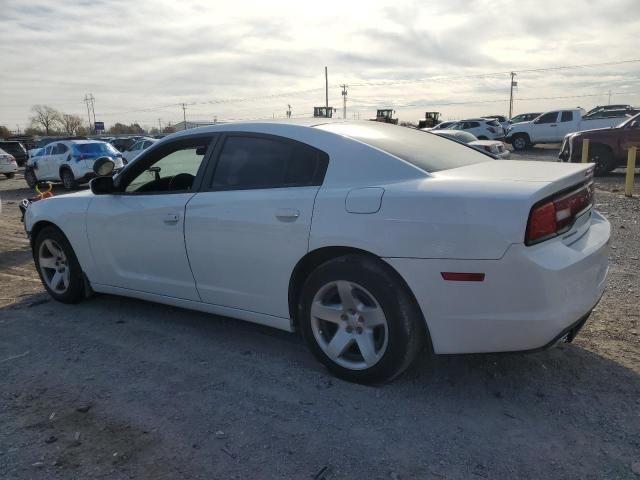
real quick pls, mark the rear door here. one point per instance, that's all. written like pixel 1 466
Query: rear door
pixel 568 123
pixel 245 234
pixel 44 167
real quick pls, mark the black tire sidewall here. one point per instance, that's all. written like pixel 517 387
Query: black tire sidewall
pixel 524 140
pixel 67 174
pixel 406 328
pixel 605 162
pixel 9 175
pixel 29 173
pixel 75 292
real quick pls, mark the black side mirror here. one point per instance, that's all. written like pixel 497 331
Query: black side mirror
pixel 103 166
pixel 102 185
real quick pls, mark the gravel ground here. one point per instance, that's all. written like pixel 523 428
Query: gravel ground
pixel 117 388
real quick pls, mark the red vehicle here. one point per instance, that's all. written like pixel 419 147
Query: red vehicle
pixel 608 147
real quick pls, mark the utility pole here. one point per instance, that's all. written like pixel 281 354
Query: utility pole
pixel 87 100
pixel 609 102
pixel 513 84
pixel 326 88
pixel 184 115
pixel 289 111
pixel 160 125
pixel 344 100
pixel 93 110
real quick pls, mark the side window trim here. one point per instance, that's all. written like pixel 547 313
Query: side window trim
pixel 207 179
pixel 213 139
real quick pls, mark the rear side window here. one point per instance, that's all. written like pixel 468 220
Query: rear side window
pixel 472 125
pixel 94 148
pixel 247 162
pixel 567 117
pixel 427 151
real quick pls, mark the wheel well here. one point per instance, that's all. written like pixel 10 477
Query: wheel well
pixel 37 228
pixel 314 259
pixel 65 167
pixel 523 134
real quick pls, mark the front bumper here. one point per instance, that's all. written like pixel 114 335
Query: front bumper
pixel 528 299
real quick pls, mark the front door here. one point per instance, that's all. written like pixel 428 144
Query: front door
pixel 245 235
pixel 137 234
pixel 546 128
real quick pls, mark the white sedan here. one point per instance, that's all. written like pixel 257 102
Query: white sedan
pixel 8 164
pixel 373 240
pixel 494 147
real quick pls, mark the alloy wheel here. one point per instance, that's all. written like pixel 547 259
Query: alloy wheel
pixel 54 266
pixel 349 325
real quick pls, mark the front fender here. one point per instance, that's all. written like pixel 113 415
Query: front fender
pixel 69 214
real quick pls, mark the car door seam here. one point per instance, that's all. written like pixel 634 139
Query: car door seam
pixel 184 243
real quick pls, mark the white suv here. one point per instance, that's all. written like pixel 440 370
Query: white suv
pixel 482 128
pixel 69 162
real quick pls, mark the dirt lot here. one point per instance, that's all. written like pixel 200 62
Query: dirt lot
pixel 120 388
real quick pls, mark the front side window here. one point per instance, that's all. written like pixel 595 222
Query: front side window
pixel 260 162
pixel 172 168
pixel 550 117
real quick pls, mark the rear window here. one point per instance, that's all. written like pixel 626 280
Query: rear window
pixel 89 148
pixel 425 150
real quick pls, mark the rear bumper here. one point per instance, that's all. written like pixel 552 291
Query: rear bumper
pixel 529 299
pixel 8 167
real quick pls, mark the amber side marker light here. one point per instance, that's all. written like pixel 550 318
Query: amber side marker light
pixel 462 277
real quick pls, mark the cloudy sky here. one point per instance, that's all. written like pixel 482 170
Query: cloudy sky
pixel 249 59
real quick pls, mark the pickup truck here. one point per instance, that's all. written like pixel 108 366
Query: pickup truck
pixel 551 127
pixel 608 147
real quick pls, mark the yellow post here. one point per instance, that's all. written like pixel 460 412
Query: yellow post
pixel 631 171
pixel 585 150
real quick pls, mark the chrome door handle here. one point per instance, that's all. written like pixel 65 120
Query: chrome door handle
pixel 553 125
pixel 287 214
pixel 171 218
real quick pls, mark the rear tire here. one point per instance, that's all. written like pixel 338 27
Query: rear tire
pixel 68 180
pixel 10 175
pixel 30 177
pixel 603 159
pixel 58 266
pixel 520 142
pixel 359 319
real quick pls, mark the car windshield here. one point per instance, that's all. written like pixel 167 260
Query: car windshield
pixel 426 151
pixel 98 147
pixel 629 120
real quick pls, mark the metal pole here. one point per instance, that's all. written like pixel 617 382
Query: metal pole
pixel 513 74
pixel 344 101
pixel 86 100
pixel 326 88
pixel 585 150
pixel 184 115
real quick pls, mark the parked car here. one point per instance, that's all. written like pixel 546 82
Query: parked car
pixel 608 147
pixel 605 110
pixel 69 162
pixel 493 147
pixel 8 164
pixel 501 119
pixel 44 141
pixel 482 128
pixel 137 148
pixel 370 238
pixel 525 117
pixel 123 143
pixel 16 149
pixel 551 127
pixel 441 125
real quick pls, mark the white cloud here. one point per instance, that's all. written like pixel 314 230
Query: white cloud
pixel 135 56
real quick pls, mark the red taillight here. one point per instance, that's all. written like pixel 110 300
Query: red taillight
pixel 556 215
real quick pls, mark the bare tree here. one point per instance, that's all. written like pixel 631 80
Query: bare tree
pixel 45 117
pixel 71 123
pixel 4 132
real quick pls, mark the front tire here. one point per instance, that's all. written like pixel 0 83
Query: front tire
pixel 603 159
pixel 30 177
pixel 58 266
pixel 68 180
pixel 10 175
pixel 359 319
pixel 520 142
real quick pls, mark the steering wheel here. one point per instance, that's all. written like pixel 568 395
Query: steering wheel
pixel 182 181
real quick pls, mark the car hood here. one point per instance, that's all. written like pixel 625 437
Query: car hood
pixel 487 143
